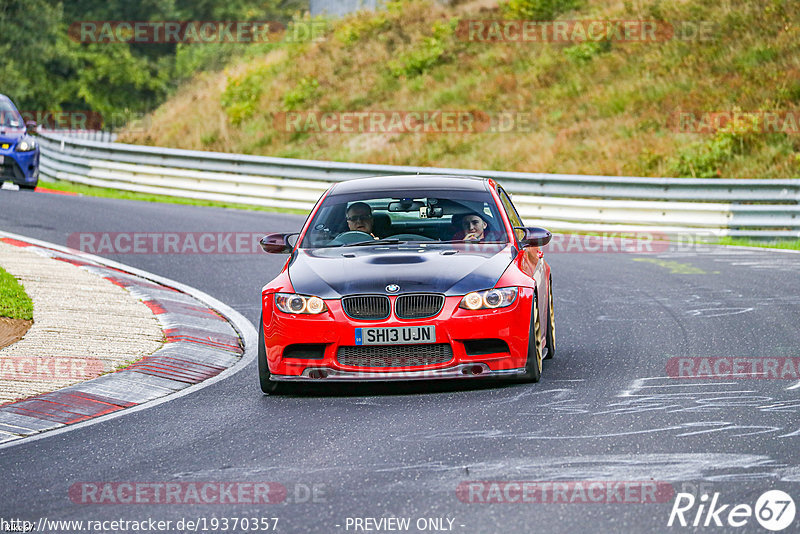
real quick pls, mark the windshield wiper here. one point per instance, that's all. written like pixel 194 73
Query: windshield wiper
pixel 375 242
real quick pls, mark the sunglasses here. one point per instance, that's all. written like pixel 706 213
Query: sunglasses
pixel 359 218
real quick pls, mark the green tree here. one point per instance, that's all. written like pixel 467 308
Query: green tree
pixel 42 68
pixel 30 49
pixel 115 81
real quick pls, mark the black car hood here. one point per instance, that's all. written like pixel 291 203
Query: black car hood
pixel 335 272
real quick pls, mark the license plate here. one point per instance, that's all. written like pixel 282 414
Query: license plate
pixel 401 335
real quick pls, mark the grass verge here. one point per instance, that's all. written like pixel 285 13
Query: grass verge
pixel 785 244
pixel 93 191
pixel 14 302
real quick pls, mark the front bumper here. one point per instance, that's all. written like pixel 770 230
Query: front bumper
pixel 21 168
pixel 456 327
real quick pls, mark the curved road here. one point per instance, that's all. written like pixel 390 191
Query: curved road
pixel 605 410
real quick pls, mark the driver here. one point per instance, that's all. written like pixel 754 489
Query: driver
pixel 359 218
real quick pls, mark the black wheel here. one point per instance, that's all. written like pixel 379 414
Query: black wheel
pixel 551 327
pixel 533 367
pixel 268 386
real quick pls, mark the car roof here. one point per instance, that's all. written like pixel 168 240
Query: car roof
pixel 410 181
pixel 5 100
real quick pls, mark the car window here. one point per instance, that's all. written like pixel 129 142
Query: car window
pixel 511 211
pixel 9 116
pixel 409 216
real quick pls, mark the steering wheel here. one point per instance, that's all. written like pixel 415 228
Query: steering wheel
pixel 352 236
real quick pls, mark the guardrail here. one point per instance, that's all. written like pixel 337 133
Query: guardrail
pixel 767 208
pixel 91 135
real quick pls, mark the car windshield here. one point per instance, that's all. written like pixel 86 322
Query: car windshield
pixel 389 217
pixel 9 117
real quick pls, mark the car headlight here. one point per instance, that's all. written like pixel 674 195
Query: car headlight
pixel 26 145
pixel 489 299
pixel 294 303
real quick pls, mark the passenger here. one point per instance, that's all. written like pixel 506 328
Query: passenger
pixel 359 218
pixel 473 228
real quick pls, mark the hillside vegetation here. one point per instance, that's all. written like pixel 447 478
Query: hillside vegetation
pixel 604 107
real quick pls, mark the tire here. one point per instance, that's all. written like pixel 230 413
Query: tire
pixel 268 386
pixel 533 366
pixel 550 343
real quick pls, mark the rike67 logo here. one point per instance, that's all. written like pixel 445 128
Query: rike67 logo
pixel 774 510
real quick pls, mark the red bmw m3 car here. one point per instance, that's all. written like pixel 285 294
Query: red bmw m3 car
pixel 408 278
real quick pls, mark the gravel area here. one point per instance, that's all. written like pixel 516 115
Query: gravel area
pixel 84 326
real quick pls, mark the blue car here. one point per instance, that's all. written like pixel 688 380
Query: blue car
pixel 19 151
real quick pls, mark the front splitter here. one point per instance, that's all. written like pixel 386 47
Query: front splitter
pixel 466 370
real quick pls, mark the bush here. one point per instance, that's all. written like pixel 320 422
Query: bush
pixel 585 52
pixel 361 26
pixel 241 96
pixel 539 9
pixel 304 91
pixel 190 58
pixel 429 52
pixel 705 160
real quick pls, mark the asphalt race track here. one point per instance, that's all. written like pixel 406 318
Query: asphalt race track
pixel 605 410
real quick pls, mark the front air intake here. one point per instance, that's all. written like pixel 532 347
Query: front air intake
pixel 418 306
pixel 395 356
pixel 366 307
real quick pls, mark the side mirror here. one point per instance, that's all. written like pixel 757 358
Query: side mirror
pixel 532 236
pixel 277 243
pixel 31 126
